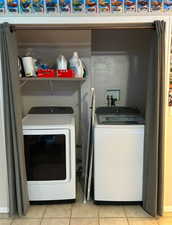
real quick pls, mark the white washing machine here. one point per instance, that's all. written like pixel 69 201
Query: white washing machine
pixel 118 155
pixel 49 141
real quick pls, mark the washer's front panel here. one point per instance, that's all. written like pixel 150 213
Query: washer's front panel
pixel 118 167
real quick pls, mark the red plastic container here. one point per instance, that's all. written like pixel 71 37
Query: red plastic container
pixel 46 73
pixel 65 73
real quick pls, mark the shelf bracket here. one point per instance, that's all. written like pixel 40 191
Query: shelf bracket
pixel 22 83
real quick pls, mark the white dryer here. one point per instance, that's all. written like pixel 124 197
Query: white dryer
pixel 49 141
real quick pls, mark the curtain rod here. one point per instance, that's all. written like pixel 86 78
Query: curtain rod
pixel 83 26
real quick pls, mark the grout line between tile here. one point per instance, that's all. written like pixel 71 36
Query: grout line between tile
pixel 84 217
pixel 12 220
pixel 111 217
pixel 128 220
pixel 56 217
pixel 70 214
pixel 72 209
pixel 98 212
pixel 125 214
pixel 23 218
pixel 157 223
pixel 141 217
pixel 43 215
pixel 98 220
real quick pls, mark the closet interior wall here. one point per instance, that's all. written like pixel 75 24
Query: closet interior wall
pixel 114 58
pixel 121 60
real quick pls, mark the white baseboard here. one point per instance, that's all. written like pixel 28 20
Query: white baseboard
pixel 168 208
pixel 4 210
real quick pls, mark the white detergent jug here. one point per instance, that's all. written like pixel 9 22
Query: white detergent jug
pixel 76 65
pixel 61 63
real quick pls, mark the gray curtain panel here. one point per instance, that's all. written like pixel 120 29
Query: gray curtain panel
pixel 154 150
pixel 18 194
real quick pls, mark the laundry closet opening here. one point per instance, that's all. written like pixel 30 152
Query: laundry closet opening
pixel 115 59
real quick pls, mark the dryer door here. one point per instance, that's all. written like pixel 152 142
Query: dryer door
pixel 47 154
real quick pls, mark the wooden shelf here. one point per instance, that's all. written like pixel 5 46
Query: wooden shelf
pixel 51 79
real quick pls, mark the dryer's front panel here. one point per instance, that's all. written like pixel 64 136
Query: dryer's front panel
pixel 48 164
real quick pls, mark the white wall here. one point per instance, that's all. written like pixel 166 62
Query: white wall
pixel 121 60
pixel 3 165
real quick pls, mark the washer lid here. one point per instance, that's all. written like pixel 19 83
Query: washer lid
pixel 119 115
pixel 47 121
pixel 117 110
pixel 120 119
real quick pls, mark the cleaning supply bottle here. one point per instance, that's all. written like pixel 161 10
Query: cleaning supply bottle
pixel 61 63
pixel 76 65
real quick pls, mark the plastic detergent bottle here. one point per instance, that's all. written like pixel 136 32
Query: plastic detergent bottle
pixel 61 63
pixel 76 65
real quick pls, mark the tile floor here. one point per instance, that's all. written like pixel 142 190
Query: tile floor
pixel 86 214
